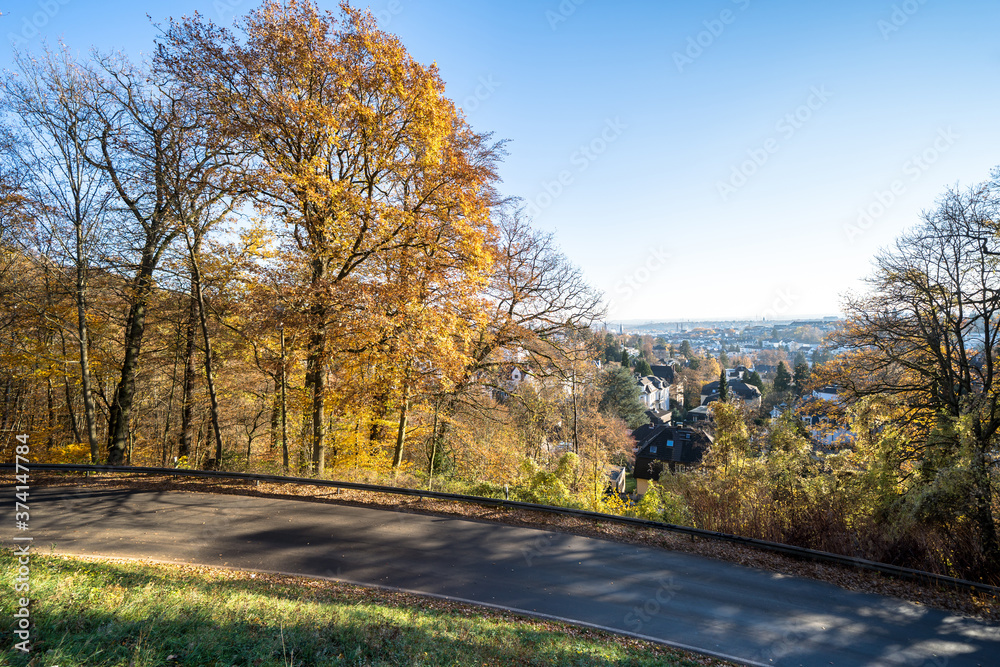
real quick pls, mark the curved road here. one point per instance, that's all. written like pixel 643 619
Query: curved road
pixel 720 608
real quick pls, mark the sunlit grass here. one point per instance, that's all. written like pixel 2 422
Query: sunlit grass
pixel 100 613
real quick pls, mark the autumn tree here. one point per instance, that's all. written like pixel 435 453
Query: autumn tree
pixel 49 98
pixel 538 306
pixel 355 148
pixel 141 139
pixel 926 333
pixel 802 376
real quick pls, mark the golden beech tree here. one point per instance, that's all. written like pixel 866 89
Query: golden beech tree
pixel 356 150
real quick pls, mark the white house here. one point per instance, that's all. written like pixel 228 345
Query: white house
pixel 655 392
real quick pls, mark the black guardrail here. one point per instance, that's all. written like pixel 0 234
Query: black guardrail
pixel 777 547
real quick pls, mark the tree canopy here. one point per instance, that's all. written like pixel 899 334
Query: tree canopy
pixel 621 396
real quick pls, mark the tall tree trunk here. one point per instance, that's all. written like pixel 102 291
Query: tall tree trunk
pixel 50 440
pixel 316 383
pixel 275 419
pixel 284 407
pixel 430 459
pixel 83 338
pixel 186 442
pixel 74 427
pixel 165 445
pixel 397 456
pixel 199 294
pixel 121 406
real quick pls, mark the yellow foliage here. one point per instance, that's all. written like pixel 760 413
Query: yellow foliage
pixel 73 452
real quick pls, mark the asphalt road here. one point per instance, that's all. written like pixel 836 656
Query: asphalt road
pixel 720 608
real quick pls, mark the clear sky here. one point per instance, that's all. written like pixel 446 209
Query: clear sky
pixel 697 160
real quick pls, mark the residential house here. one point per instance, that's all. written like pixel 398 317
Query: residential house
pixel 655 395
pixel 827 393
pixel 666 447
pixel 738 389
pixel 675 386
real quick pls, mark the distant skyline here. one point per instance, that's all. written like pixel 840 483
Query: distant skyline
pixel 731 159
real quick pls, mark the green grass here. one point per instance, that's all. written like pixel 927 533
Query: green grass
pixel 104 613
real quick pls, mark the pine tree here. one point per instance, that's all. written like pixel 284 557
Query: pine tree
pixel 723 387
pixel 782 379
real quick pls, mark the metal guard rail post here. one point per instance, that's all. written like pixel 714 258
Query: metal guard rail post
pixel 777 547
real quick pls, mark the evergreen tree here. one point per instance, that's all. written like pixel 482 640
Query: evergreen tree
pixel 782 379
pixel 724 359
pixel 755 380
pixel 802 376
pixel 612 352
pixel 723 387
pixel 621 396
pixel 820 357
pixel 686 350
pixel 625 360
pixel 642 367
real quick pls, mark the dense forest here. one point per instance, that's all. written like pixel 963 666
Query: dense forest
pixel 282 248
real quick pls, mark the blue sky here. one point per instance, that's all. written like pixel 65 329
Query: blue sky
pixel 731 158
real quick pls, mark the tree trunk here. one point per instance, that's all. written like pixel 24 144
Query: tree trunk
pixel 164 442
pixel 184 447
pixel 121 406
pixel 434 435
pixel 51 415
pixel 83 337
pixel 316 387
pixel 74 427
pixel 203 320
pixel 397 456
pixel 284 408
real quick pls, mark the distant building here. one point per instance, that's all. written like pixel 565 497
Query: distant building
pixel 827 393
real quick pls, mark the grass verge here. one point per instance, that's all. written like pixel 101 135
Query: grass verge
pixel 103 613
